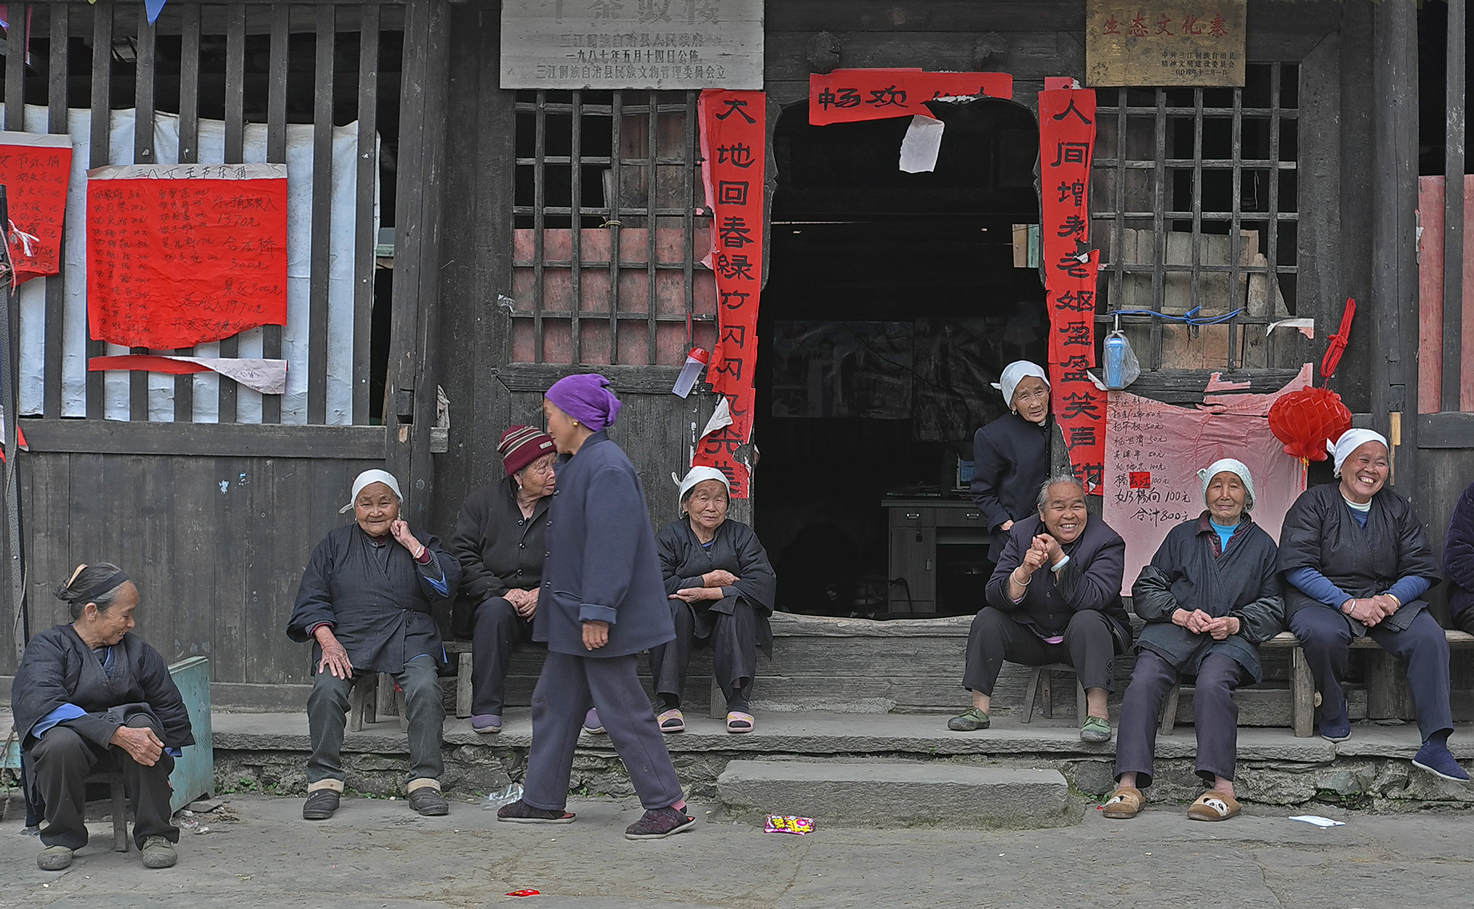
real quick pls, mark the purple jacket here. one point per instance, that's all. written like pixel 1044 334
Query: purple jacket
pixel 1458 554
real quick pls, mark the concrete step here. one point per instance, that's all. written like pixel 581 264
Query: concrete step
pixel 880 794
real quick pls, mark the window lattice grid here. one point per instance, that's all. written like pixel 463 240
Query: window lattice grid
pixel 1196 206
pixel 609 227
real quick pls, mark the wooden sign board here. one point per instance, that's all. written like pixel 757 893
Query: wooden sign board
pixel 614 44
pixel 1144 42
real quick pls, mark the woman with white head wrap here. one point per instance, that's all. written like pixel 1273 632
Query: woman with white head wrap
pixel 365 602
pixel 1011 453
pixel 1357 562
pixel 1209 598
pixel 721 588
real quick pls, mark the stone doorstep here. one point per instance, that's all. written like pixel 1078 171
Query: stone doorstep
pixel 883 794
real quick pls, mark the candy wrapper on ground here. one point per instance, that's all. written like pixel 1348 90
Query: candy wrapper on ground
pixel 788 824
pixel 523 893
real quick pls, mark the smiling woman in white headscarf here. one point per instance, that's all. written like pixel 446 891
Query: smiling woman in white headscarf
pixel 364 602
pixel 1209 598
pixel 721 587
pixel 1356 562
pixel 1011 454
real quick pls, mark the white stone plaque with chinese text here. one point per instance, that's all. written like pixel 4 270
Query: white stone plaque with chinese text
pixel 1198 42
pixel 613 44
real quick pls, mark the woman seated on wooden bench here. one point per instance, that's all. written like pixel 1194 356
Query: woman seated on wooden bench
pixel 364 602
pixel 1357 562
pixel 721 587
pixel 90 697
pixel 1458 562
pixel 1055 597
pixel 499 542
pixel 1209 597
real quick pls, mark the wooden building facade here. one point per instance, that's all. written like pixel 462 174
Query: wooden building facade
pixel 538 233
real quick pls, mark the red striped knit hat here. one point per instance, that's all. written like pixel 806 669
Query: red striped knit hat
pixel 521 445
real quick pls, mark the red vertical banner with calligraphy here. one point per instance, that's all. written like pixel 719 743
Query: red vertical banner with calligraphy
pixel 733 140
pixel 1066 143
pixel 34 170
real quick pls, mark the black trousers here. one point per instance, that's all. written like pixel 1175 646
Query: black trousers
pixel 1215 716
pixel 496 631
pixel 63 760
pixel 733 647
pixel 1325 635
pixel 327 717
pixel 1088 646
pixel 568 686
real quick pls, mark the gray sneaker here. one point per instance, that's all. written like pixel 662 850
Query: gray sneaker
pixel 158 853
pixel 54 858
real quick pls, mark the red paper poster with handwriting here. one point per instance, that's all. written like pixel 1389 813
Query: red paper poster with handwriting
pixel 733 140
pixel 850 95
pixel 34 170
pixel 1066 143
pixel 184 254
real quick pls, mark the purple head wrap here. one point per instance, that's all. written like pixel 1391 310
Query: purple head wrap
pixel 586 398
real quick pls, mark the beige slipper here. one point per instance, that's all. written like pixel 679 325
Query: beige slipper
pixel 1123 804
pixel 1214 806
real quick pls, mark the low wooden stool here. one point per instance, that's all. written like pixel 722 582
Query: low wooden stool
pixel 113 779
pixel 1039 683
pixel 374 693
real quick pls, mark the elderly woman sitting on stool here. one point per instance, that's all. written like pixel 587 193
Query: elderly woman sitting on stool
pixel 90 697
pixel 365 603
pixel 1357 562
pixel 499 544
pixel 1055 597
pixel 721 588
pixel 1209 597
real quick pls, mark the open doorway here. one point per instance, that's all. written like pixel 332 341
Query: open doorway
pixel 893 301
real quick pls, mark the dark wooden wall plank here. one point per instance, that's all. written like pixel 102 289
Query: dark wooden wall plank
pixel 366 237
pixel 101 106
pixel 276 153
pixel 199 576
pixel 189 153
pixel 245 440
pixel 233 546
pixel 57 107
pixel 235 129
pixel 322 214
pixel 143 153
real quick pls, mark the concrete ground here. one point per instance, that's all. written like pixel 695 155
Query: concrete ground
pixel 376 853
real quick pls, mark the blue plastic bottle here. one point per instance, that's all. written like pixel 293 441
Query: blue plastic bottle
pixel 1116 349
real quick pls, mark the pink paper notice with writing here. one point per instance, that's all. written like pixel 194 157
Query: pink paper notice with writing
pixel 1153 453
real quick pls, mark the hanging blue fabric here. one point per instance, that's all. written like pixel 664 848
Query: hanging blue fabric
pixel 153 8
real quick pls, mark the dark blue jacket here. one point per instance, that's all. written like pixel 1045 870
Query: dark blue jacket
pixel 1010 462
pixel 1458 554
pixel 601 563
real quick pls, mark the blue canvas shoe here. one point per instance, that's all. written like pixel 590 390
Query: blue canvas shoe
pixel 1435 758
pixel 1336 728
pixel 486 723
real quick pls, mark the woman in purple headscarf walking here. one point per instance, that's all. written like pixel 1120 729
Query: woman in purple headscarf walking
pixel 603 602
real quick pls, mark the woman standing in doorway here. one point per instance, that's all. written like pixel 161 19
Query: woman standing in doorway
pixel 1011 454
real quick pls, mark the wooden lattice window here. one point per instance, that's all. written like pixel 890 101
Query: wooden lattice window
pixel 1195 197
pixel 600 173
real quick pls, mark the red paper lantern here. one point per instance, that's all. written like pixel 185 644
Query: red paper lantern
pixel 1305 419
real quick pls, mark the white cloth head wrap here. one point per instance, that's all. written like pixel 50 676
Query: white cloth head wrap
pixel 368 478
pixel 1013 373
pixel 1350 441
pixel 700 475
pixel 1235 467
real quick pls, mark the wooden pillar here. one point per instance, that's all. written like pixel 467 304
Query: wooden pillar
pixel 1394 290
pixel 410 411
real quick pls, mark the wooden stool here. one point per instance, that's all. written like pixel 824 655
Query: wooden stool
pixel 1039 683
pixel 1169 709
pixel 374 693
pixel 113 779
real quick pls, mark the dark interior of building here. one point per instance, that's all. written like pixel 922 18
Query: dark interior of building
pixel 893 300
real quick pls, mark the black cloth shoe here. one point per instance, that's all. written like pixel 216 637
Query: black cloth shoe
pixel 659 823
pixel 1464 621
pixel 320 804
pixel 428 801
pixel 519 812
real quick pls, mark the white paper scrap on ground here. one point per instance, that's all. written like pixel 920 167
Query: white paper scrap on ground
pixel 1318 821
pixel 922 143
pixel 266 376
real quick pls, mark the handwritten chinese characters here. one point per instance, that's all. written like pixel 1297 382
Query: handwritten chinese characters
pixel 613 44
pixel 850 95
pixel 733 136
pixel 1066 141
pixel 34 171
pixel 180 255
pixel 1144 42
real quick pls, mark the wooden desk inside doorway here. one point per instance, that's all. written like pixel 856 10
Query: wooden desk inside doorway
pixel 928 536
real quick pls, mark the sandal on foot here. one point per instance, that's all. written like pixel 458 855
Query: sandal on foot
pixel 519 812
pixel 659 823
pixel 671 720
pixel 738 722
pixel 1214 806
pixel 1124 803
pixel 971 720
